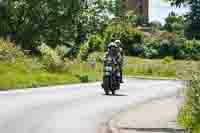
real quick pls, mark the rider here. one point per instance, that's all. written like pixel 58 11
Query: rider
pixel 121 60
pixel 111 58
pixel 112 54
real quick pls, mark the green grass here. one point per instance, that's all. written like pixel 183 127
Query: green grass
pixel 189 115
pixel 142 68
pixel 134 66
pixel 84 68
pixel 25 73
pixel 150 68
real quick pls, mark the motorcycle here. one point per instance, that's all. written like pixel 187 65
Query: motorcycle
pixel 111 78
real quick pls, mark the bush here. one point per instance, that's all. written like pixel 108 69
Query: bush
pixel 130 37
pixel 150 52
pixel 84 52
pixel 97 55
pixel 167 48
pixel 162 45
pixel 94 43
pixel 9 51
pixel 189 116
pixel 62 50
pixel 189 50
pixel 174 23
pixel 50 58
pixel 84 78
pixel 141 20
pixel 156 26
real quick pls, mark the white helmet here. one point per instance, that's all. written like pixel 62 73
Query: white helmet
pixel 117 41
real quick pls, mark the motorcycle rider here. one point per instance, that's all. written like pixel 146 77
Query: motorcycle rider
pixel 111 57
pixel 121 60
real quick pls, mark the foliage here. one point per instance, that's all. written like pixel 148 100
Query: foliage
pixel 32 23
pixel 30 71
pixel 162 45
pixel 156 26
pixel 174 23
pixel 129 36
pixel 141 20
pixel 92 19
pixel 84 79
pixel 156 45
pixel 133 20
pixel 62 50
pixel 84 52
pixel 169 44
pixel 27 71
pixel 55 23
pixel 193 28
pixel 130 18
pixel 51 58
pixel 190 112
pixel 189 50
pixel 178 2
pixel 193 18
pixel 94 44
pixel 9 51
pixel 119 8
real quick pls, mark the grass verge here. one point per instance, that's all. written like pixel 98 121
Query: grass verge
pixel 27 72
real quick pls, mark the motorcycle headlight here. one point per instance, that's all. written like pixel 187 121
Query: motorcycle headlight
pixel 107 73
pixel 108 68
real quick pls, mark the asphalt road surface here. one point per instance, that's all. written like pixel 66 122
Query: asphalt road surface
pixel 81 108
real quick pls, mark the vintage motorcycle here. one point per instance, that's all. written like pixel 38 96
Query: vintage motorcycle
pixel 111 78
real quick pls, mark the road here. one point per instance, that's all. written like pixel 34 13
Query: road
pixel 81 108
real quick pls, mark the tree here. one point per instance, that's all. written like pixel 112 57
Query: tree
pixel 193 28
pixel 178 3
pixel 193 19
pixel 174 23
pixel 118 8
pixel 92 18
pixel 4 27
pixel 33 22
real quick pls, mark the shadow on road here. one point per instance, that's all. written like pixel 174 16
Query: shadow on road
pixel 120 95
pixel 170 130
pixel 116 95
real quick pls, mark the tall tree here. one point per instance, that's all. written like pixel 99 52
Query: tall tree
pixel 178 2
pixel 193 19
pixel 33 22
pixel 118 8
pixel 193 29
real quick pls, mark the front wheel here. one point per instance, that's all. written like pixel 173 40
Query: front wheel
pixel 106 91
pixel 106 84
pixel 113 92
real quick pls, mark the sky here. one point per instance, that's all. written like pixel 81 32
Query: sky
pixel 159 10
